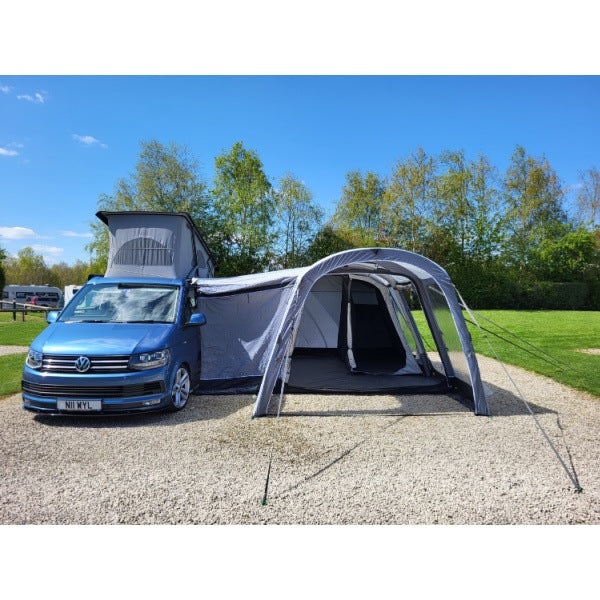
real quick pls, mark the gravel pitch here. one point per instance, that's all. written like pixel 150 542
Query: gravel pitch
pixel 336 459
pixel 4 350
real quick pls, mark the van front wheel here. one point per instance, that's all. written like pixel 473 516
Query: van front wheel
pixel 180 392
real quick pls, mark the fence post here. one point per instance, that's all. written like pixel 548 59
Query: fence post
pixel 14 310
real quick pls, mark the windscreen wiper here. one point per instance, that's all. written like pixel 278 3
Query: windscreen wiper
pixel 143 321
pixel 88 321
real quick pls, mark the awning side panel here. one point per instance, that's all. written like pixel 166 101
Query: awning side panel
pixel 458 343
pixel 240 332
pixel 320 321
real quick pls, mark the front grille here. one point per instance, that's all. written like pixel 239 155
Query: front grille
pixel 45 390
pixel 100 364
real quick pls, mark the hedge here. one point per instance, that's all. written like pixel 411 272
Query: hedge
pixel 507 293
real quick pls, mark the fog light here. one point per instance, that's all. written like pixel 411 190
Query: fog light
pixel 151 402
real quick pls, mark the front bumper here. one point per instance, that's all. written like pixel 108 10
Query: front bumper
pixel 136 391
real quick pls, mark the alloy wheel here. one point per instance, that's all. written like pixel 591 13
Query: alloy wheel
pixel 181 388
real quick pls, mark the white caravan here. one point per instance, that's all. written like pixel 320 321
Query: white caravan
pixel 44 295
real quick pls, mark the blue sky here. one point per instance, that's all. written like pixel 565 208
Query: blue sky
pixel 66 140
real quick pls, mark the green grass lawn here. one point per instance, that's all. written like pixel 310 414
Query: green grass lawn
pixel 11 368
pixel 559 333
pixel 19 333
pixel 16 333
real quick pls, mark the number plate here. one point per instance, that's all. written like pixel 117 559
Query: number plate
pixel 79 405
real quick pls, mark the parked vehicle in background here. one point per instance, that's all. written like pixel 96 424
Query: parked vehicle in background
pixel 70 291
pixel 121 345
pixel 45 295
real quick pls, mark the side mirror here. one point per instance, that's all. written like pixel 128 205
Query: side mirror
pixel 197 319
pixel 52 316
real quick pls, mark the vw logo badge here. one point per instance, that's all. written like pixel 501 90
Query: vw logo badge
pixel 83 364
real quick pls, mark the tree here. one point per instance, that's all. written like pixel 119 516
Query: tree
pixel 328 240
pixel 75 274
pixel 572 257
pixel 453 211
pixel 406 218
pixel 534 197
pixel 359 210
pixel 166 179
pixel 299 220
pixel 488 222
pixel 469 208
pixel 245 205
pixel 588 197
pixel 28 268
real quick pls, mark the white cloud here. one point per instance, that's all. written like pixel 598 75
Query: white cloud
pixel 50 254
pixel 17 233
pixel 88 140
pixel 7 152
pixel 37 98
pixel 5 89
pixel 52 250
pixel 76 235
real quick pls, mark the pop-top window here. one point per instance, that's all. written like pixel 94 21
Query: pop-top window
pixel 144 251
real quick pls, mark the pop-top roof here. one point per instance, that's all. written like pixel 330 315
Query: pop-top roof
pixel 155 244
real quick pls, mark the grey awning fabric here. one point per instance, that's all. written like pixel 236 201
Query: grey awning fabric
pixel 239 332
pixel 391 261
pixel 221 286
pixel 254 321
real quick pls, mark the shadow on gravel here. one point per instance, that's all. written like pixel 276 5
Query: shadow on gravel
pixel 199 408
pixel 336 460
pixel 501 403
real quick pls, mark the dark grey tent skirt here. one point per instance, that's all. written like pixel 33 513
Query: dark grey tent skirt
pixel 327 372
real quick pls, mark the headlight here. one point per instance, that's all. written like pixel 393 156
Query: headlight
pixel 34 359
pixel 149 360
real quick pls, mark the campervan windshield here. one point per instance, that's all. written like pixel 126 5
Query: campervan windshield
pixel 123 303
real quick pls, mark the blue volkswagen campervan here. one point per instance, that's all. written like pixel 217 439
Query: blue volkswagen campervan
pixel 129 341
pixel 118 346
